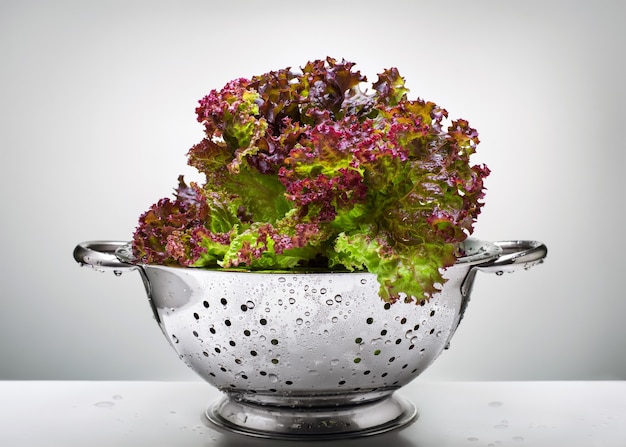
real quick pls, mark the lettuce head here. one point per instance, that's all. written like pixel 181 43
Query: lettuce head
pixel 305 170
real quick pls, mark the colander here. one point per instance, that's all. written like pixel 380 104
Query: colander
pixel 307 355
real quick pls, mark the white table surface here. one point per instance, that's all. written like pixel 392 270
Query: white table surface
pixel 468 414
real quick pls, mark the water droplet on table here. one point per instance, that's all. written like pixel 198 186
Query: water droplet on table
pixel 104 404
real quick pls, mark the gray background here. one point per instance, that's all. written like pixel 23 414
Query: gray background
pixel 97 114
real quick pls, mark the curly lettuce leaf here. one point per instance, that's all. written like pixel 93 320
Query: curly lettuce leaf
pixel 413 273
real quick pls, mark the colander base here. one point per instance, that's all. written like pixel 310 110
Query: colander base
pixel 341 422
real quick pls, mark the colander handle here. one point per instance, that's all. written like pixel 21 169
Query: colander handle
pixel 101 255
pixel 516 255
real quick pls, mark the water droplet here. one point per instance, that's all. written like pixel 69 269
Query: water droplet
pixel 249 304
pixel 334 319
pixel 408 334
pixel 313 290
pixel 292 292
pixel 299 321
pixel 329 302
pixel 282 279
pixel 267 309
pixel 104 404
pixel 280 302
pixel 338 298
pixel 334 362
pixel 242 417
pixel 322 291
pixel 413 340
pixel 495 404
pixel 117 272
pixel 499 273
pixel 292 300
pixel 364 281
pixel 438 334
pixel 314 372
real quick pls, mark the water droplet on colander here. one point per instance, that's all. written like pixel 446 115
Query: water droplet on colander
pixel 329 302
pixel 242 417
pixel 499 273
pixel 280 302
pixel 292 300
pixel 409 334
pixel 306 287
pixel 338 298
pixel 438 334
pixel 267 309
pixel 292 292
pixel 334 319
pixel 117 272
pixel 322 291
pixel 364 281
pixel 249 304
pixel 334 362
pixel 282 279
pixel 413 340
pixel 299 321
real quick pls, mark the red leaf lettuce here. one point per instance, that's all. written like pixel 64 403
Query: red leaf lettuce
pixel 304 170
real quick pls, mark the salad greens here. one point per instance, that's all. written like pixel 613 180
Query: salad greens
pixel 304 170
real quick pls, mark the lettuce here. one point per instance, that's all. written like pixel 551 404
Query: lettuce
pixel 304 170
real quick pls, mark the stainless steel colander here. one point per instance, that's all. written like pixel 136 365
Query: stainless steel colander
pixel 315 355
